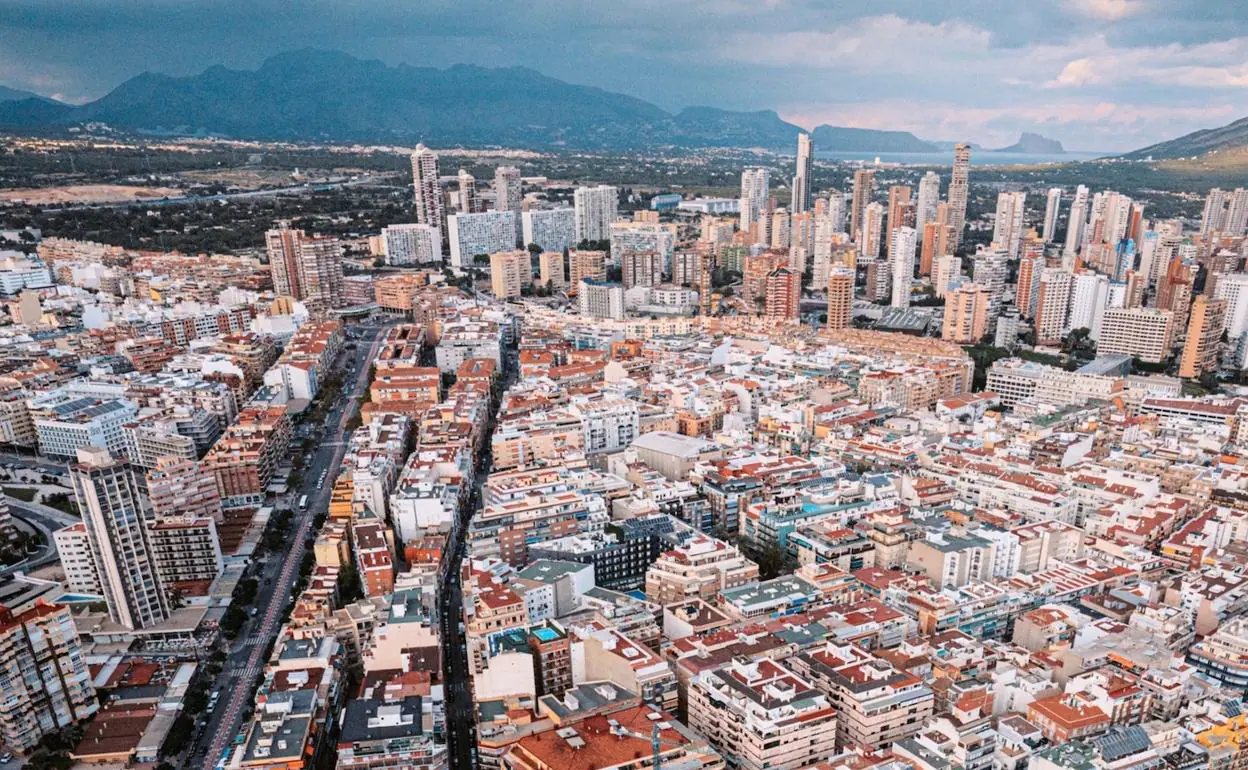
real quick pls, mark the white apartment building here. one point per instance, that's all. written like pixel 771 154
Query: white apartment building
pixel 901 247
pixel 73 547
pixel 1144 332
pixel 609 425
pixel 596 209
pixel 412 244
pixel 551 229
pixel 66 422
pixel 637 237
pixel 600 299
pixel 1008 230
pixel 1052 207
pixel 484 233
pixel 463 339
pixel 1089 298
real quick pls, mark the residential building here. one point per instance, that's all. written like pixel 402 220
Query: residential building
pixel 901 250
pixel 966 314
pixel 116 516
pixel 840 298
pixel 783 294
pixel 600 299
pixel 1204 337
pixel 510 273
pixel 45 684
pixel 429 209
pixel 1052 206
pixel 551 229
pixel 760 714
pixel 1147 333
pixel 484 233
pixel 958 190
pixel 412 244
pixel 596 209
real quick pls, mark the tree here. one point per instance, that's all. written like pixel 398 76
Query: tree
pixel 534 248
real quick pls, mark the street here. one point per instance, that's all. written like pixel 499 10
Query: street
pixel 237 680
pixel 460 710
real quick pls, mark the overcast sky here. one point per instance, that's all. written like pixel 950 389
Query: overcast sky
pixel 1096 74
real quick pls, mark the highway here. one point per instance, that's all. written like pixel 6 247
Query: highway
pixel 246 658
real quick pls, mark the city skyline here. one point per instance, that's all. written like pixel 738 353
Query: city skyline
pixel 1099 75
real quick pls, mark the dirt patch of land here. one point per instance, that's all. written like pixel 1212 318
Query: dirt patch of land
pixel 88 193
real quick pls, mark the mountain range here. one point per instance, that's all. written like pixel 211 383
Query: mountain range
pixel 313 95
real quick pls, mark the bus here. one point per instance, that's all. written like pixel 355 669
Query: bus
pixel 303 503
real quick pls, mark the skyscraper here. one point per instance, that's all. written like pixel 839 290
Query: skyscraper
pixel 901 246
pixel 1028 289
pixel 282 245
pixel 959 189
pixel 1075 223
pixel 1213 219
pixel 966 314
pixel 900 209
pixel 509 193
pixel 1204 334
pixel 1008 233
pixel 840 298
pixel 468 202
pixel 596 208
pixel 428 191
pixel 783 293
pixel 864 189
pixel 872 232
pixel 802 179
pixel 1052 304
pixel 116 514
pixel 754 187
pixel 1051 206
pixel 1237 214
pixel 307 269
pixel 929 199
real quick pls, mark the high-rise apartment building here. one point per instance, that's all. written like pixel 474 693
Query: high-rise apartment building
pixel 550 270
pixel 992 270
pixel 596 209
pixel 966 314
pixel 959 189
pixel 1237 213
pixel 901 248
pixel 944 272
pixel 781 229
pixel 510 272
pixel 45 684
pixel 550 229
pixel 900 210
pixel 1204 335
pixel 586 263
pixel 283 245
pixel 509 195
pixel 1008 231
pixel 429 209
pixel 1089 298
pixel 1075 224
pixel 755 184
pixel 467 200
pixel 1146 333
pixel 805 170
pixel 840 298
pixel 864 191
pixel 484 233
pixel 116 514
pixel 1213 218
pixel 1052 305
pixel 307 269
pixel 641 268
pixel 1234 290
pixel 928 200
pixel 872 232
pixel 1028 289
pixel 1052 205
pixel 783 294
pixel 412 244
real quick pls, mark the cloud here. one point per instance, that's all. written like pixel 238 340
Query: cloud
pixel 1107 10
pixel 976 69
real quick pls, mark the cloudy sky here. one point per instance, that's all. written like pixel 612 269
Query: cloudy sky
pixel 1096 74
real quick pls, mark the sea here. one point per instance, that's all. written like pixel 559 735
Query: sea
pixel 978 157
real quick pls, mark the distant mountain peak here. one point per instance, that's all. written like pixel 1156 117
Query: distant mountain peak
pixel 1035 144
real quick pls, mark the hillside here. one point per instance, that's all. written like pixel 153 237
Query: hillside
pixel 836 139
pixel 1233 136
